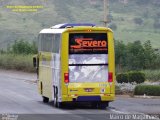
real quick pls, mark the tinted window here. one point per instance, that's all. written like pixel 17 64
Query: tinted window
pixel 46 42
pixel 56 43
pixel 49 42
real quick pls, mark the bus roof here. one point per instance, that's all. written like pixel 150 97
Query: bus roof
pixel 49 30
pixel 60 28
pixel 69 25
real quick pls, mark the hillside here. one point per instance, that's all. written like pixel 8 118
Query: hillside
pixel 130 20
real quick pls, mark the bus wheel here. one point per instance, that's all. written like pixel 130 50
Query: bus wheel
pixel 56 103
pixel 59 105
pixel 45 99
pixel 103 105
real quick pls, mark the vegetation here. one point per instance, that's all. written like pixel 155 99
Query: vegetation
pixel 136 56
pixel 23 47
pixel 19 56
pixel 17 62
pixel 122 78
pixel 152 90
pixel 121 17
pixel 136 76
pixel 130 77
pixel 135 24
pixel 133 56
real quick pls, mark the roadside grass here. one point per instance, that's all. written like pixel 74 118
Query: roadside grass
pixel 17 62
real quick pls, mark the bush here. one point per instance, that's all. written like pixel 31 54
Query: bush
pixel 153 90
pixel 17 62
pixel 136 76
pixel 122 78
pixel 130 77
pixel 24 47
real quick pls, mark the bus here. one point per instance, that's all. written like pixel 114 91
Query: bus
pixel 76 64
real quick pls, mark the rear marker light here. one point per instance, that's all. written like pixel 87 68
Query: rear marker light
pixel 89 30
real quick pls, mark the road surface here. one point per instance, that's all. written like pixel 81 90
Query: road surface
pixel 18 95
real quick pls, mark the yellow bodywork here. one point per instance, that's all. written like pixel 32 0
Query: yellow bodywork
pixel 73 90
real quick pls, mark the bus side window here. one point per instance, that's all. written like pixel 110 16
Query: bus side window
pixel 46 42
pixel 56 43
pixel 39 42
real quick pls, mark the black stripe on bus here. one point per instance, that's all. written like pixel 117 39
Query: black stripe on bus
pixel 87 64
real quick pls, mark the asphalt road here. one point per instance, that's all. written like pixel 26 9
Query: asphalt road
pixel 18 95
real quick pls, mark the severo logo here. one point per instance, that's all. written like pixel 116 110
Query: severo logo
pixel 89 43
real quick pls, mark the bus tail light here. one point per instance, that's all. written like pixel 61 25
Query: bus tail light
pixel 110 77
pixel 66 77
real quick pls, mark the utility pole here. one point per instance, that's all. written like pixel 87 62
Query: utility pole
pixel 105 7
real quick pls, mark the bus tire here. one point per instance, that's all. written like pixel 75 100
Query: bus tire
pixel 59 105
pixel 56 103
pixel 45 99
pixel 103 105
pixel 41 88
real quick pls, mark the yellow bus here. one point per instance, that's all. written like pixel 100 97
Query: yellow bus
pixel 76 64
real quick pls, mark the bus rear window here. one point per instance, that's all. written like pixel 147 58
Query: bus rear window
pixel 88 43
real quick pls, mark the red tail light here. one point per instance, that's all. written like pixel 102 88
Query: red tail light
pixel 66 77
pixel 110 77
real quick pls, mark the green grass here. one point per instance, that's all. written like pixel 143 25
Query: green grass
pixel 17 62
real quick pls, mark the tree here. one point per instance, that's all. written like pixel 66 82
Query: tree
pixel 135 56
pixel 120 55
pixel 150 55
pixel 24 47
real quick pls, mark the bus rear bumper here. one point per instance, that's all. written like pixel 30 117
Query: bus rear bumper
pixel 88 98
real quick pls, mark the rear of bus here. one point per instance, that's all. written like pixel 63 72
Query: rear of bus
pixel 89 73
